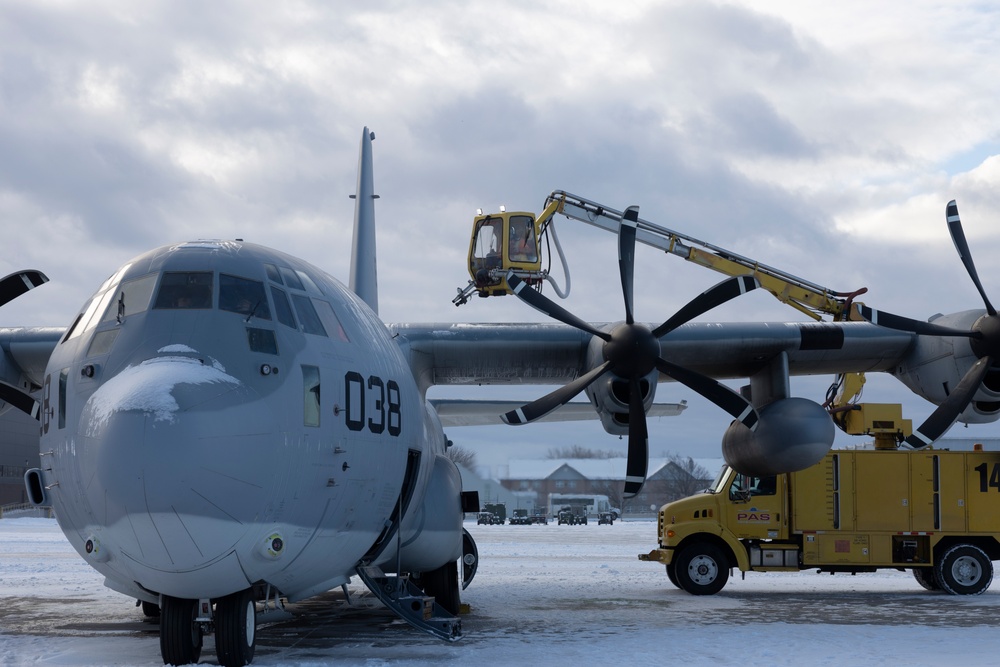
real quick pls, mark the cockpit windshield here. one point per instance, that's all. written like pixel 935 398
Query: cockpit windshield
pixel 185 290
pixel 243 296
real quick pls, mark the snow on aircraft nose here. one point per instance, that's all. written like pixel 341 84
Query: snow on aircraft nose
pixel 180 457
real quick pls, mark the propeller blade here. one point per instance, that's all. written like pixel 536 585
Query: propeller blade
pixel 707 300
pixel 626 256
pixel 638 442
pixel 945 415
pixel 890 321
pixel 18 283
pixel 958 237
pixel 543 304
pixel 546 404
pixel 718 393
pixel 19 399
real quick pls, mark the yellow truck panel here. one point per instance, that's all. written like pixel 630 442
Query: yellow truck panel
pixel 936 512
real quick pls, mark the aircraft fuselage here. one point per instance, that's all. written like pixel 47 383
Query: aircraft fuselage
pixel 222 414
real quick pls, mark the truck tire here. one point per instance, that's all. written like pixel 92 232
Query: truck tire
pixel 964 569
pixel 701 569
pixel 925 577
pixel 672 573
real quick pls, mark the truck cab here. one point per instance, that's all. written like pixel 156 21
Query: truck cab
pixel 935 512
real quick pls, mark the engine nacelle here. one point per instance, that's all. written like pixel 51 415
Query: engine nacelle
pixel 937 364
pixel 610 397
pixel 792 434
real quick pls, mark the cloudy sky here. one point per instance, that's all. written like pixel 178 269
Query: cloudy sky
pixel 821 138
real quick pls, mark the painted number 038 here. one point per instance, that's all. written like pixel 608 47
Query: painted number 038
pixel 373 404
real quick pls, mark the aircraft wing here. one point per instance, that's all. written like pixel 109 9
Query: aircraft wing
pixel 483 413
pixel 476 354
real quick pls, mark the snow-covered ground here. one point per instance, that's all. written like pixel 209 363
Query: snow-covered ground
pixel 548 595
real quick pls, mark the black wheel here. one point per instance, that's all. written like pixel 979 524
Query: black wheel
pixel 470 559
pixel 150 609
pixel 180 636
pixel 925 577
pixel 701 569
pixel 442 585
pixel 672 573
pixel 236 629
pixel 964 570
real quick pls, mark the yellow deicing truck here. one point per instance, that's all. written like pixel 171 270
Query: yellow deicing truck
pixel 935 512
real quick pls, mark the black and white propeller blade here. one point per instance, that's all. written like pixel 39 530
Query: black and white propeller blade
pixel 958 237
pixel 707 300
pixel 19 399
pixel 546 404
pixel 631 352
pixel 900 323
pixel 626 257
pixel 985 335
pixel 945 415
pixel 637 463
pixel 542 303
pixel 11 287
pixel 727 399
pixel 18 283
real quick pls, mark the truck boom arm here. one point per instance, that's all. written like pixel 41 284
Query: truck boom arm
pixel 806 297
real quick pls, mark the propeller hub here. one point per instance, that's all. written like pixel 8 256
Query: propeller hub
pixel 989 344
pixel 632 350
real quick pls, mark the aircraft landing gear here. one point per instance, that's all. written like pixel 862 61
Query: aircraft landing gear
pixel 442 585
pixel 180 635
pixel 235 629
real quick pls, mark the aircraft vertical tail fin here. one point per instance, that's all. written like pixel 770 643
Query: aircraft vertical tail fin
pixel 364 274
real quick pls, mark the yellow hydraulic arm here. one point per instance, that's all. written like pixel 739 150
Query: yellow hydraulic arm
pixel 806 297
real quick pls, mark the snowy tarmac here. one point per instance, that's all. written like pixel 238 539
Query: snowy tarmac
pixel 550 595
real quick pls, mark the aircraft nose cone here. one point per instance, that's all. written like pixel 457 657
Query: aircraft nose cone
pixel 175 456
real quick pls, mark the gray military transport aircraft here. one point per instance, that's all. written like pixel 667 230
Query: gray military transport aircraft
pixel 193 460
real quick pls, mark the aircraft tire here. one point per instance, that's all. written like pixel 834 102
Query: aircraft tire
pixel 964 569
pixel 701 569
pixel 180 636
pixel 150 609
pixel 925 577
pixel 236 629
pixel 442 585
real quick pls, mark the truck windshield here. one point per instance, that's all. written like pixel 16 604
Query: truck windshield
pixel 720 482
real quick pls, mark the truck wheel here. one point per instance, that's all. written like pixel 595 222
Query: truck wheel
pixel 925 577
pixel 672 573
pixel 701 569
pixel 964 570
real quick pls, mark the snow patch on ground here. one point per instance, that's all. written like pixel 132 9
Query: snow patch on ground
pixel 546 595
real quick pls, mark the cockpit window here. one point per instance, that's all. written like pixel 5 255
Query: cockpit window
pixel 282 309
pixel 262 340
pixel 311 324
pixel 243 296
pixel 272 273
pixel 292 279
pixel 185 290
pixel 330 320
pixel 307 282
pixel 132 297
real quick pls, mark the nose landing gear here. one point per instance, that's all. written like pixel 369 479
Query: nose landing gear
pixel 184 623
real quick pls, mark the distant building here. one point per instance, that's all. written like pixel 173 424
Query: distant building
pixel 18 452
pixel 666 480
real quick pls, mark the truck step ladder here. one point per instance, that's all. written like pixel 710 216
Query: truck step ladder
pixel 408 602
